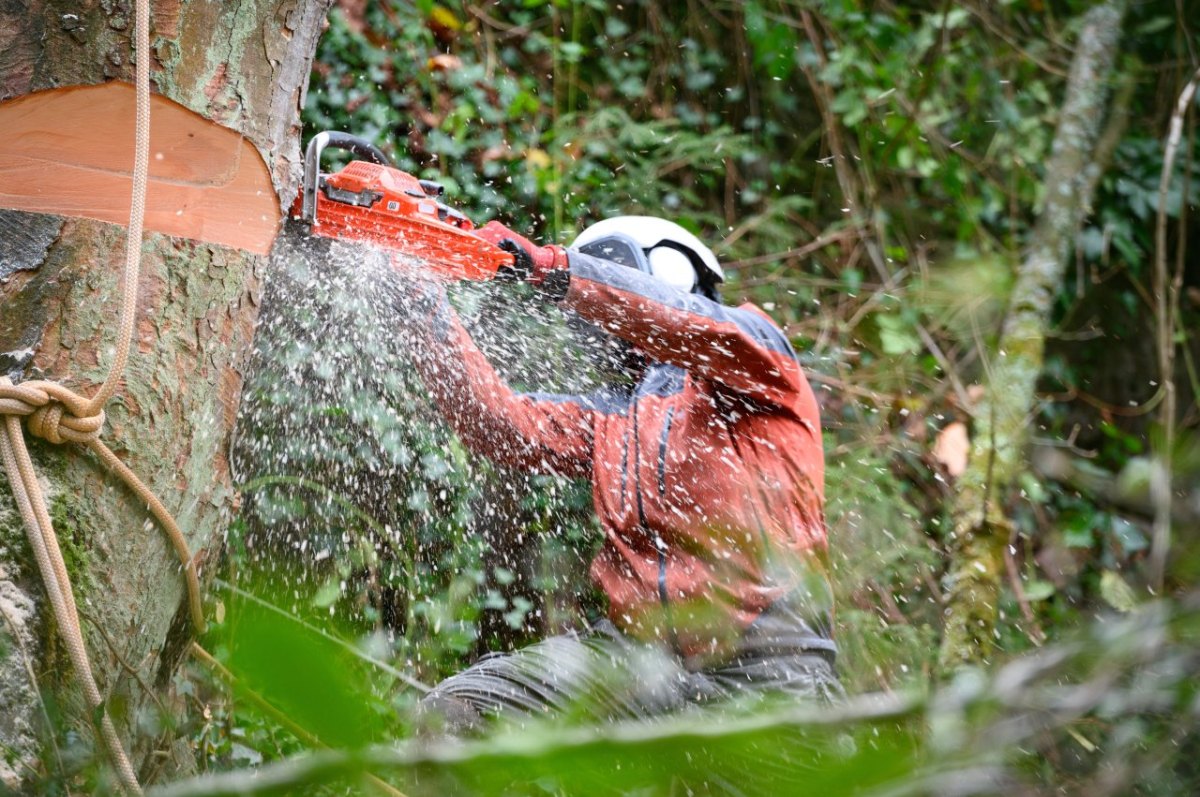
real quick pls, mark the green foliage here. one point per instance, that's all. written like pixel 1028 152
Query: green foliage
pixel 469 124
pixel 358 498
pixel 880 562
pixel 1124 224
pixel 1092 710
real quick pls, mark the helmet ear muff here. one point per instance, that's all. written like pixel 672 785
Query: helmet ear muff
pixel 672 267
pixel 651 232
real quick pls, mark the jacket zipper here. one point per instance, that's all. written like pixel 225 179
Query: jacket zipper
pixel 659 543
pixel 662 452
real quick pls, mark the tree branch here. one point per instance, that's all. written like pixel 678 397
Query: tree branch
pixel 1166 300
pixel 980 529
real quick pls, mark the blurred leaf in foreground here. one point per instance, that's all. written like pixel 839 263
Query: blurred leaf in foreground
pixel 1119 703
pixel 308 678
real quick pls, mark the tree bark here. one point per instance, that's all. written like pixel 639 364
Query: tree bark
pixel 246 67
pixel 980 527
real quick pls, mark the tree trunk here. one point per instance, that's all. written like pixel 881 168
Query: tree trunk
pixel 980 527
pixel 246 69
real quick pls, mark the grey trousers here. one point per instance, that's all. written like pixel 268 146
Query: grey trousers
pixel 603 675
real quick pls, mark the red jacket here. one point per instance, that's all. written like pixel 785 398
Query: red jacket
pixel 707 477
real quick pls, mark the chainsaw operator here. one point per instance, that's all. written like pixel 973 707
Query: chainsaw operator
pixel 707 478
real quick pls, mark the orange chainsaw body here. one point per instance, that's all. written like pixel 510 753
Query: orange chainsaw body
pixel 391 209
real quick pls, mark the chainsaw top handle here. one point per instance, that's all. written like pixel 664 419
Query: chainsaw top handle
pixel 312 163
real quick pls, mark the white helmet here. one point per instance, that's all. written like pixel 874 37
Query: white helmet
pixel 657 247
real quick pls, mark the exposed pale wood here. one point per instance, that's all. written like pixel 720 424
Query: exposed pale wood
pixel 67 152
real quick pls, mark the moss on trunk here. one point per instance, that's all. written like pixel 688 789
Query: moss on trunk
pixel 979 530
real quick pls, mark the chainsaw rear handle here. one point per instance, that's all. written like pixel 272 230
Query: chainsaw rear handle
pixel 312 164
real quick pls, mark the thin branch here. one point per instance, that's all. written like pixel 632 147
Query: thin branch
pixel 833 129
pixel 1036 634
pixel 945 363
pixel 15 633
pixel 231 682
pixel 1011 41
pixel 801 251
pixel 495 24
pixel 1166 295
pixel 125 665
pixel 1114 131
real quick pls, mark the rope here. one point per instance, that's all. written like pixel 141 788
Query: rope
pixel 137 211
pixel 59 415
pixel 32 505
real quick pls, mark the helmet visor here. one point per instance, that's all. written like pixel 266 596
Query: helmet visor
pixel 618 249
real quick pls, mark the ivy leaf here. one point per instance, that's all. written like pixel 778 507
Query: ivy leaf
pixel 444 18
pixel 515 617
pixel 1154 25
pixel 1129 535
pixel 328 593
pixel 614 27
pixel 245 756
pixel 896 335
pixel 1116 592
pixel 954 18
pixel 1038 590
pixel 572 52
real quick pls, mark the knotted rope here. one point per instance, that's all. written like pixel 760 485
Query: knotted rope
pixel 52 412
pixel 59 415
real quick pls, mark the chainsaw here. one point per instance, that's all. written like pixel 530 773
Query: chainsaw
pixel 369 201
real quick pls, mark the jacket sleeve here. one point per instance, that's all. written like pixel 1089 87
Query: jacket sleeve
pixel 542 434
pixel 740 348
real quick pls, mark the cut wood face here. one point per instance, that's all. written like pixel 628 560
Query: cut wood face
pixel 69 152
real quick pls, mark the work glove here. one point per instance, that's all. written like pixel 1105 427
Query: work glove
pixel 545 266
